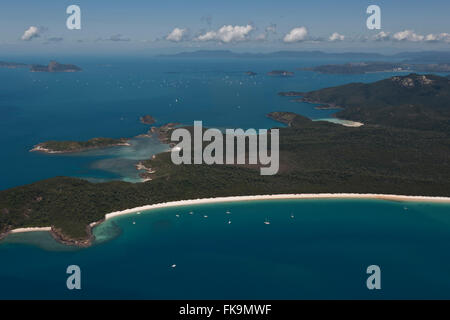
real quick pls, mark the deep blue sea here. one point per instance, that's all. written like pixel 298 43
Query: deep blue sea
pixel 321 252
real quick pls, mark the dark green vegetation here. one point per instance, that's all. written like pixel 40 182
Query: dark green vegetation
pixel 367 67
pixel 412 101
pixel 77 146
pixel 283 117
pixel 386 157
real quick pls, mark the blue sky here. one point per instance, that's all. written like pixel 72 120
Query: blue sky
pixel 141 25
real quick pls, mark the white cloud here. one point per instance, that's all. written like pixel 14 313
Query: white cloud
pixel 31 33
pixel 381 36
pixel 210 35
pixel 336 37
pixel 227 34
pixel 296 35
pixel 177 35
pixel 407 35
pixel 444 37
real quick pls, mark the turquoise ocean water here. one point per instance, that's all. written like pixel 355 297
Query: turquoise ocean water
pixel 320 253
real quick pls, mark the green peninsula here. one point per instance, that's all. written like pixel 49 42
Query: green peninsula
pixel 412 101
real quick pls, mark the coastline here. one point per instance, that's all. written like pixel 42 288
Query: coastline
pixel 88 241
pixel 389 197
pixel 31 229
pixel 342 122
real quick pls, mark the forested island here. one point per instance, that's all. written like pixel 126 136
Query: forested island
pixel 78 146
pixel 403 148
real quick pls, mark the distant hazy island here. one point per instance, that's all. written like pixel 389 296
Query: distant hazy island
pixel 369 67
pixel 78 146
pixel 407 57
pixel 12 65
pixel 402 149
pixel 53 66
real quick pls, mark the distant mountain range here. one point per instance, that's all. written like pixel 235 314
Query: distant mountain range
pixel 416 57
pixel 378 66
pixel 277 54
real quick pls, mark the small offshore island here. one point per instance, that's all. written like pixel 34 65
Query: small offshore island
pixel 53 66
pixel 78 146
pixel 402 149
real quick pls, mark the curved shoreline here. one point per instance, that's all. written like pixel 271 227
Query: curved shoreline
pixel 388 197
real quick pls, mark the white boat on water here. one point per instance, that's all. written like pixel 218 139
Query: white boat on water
pixel 267 221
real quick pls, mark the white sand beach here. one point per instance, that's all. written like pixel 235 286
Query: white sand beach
pixel 280 197
pixel 390 197
pixel 20 230
pixel 345 123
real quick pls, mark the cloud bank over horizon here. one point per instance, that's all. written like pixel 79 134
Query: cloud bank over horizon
pixel 227 34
